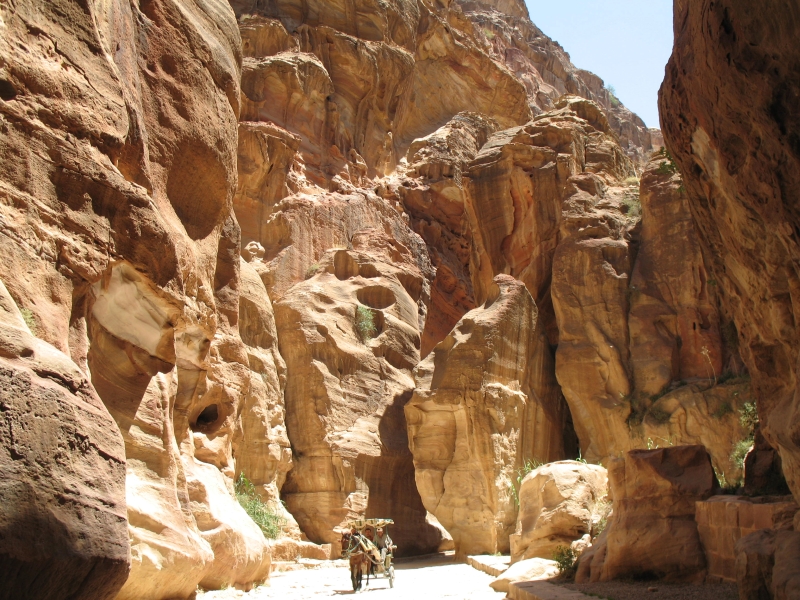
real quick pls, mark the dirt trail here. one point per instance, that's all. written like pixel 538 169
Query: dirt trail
pixel 421 579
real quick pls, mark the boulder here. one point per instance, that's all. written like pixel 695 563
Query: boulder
pixel 558 505
pixel 652 530
pixel 723 520
pixel 531 569
pixel 484 403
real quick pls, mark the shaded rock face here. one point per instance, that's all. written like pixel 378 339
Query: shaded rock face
pixel 767 564
pixel 558 504
pixel 646 366
pixel 122 249
pixel 652 529
pixel 723 521
pixel 730 120
pixel 63 531
pixel 485 400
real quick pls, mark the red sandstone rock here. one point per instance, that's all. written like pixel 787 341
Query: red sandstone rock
pixel 729 116
pixel 63 529
pixel 652 529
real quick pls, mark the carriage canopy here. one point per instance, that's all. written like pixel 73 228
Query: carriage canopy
pixel 361 524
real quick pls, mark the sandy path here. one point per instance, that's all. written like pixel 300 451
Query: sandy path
pixel 421 579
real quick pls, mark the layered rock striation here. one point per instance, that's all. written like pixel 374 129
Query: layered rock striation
pixel 122 253
pixel 731 124
pixel 485 401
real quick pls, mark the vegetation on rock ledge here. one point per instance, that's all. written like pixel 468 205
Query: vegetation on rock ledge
pixel 365 324
pixel 262 513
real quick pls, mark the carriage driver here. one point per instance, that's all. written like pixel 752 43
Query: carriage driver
pixel 383 542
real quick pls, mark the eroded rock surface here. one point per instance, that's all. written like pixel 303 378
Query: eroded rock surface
pixel 483 404
pixel 731 123
pixel 652 530
pixel 63 529
pixel 559 503
pixel 350 335
pixel 122 250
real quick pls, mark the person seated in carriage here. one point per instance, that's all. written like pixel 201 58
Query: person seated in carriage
pixel 384 543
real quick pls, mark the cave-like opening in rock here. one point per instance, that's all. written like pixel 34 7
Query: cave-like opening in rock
pixel 207 417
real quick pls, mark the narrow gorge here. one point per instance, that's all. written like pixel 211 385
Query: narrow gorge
pixel 352 259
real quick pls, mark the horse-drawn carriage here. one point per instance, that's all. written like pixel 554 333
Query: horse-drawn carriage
pixel 370 550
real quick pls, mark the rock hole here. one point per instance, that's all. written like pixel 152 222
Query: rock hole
pixel 169 65
pixel 412 285
pixel 344 266
pixel 7 91
pixel 197 187
pixel 368 271
pixel 206 419
pixel 376 296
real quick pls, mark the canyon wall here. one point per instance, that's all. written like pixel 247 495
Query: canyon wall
pixel 731 121
pixel 122 259
pixel 351 251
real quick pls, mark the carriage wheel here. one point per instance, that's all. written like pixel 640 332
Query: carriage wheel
pixel 391 577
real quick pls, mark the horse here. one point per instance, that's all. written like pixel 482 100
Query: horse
pixel 357 548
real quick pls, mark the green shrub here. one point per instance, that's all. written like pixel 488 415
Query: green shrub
pixel 30 320
pixel 740 450
pixel 565 559
pixel 312 270
pixel 748 416
pixel 612 96
pixel 530 465
pixel 365 323
pixel 262 513
pixel 631 206
pixel 668 167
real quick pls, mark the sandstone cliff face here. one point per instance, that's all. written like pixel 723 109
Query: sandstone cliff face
pixel 652 529
pixel 506 33
pixel 63 525
pixel 350 335
pixel 122 250
pixel 485 401
pixel 412 184
pixel 731 122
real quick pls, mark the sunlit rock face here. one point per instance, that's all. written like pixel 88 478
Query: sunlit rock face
pixel 350 335
pixel 502 28
pixel 122 250
pixel 485 401
pixel 730 120
pixel 559 503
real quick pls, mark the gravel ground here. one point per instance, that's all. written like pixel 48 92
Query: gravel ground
pixel 618 590
pixel 438 577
